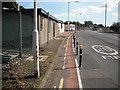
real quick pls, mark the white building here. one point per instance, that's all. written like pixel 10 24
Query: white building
pixel 61 27
pixel 70 27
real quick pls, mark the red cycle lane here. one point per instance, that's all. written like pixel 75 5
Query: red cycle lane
pixel 72 80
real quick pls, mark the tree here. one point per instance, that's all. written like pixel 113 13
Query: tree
pixel 100 25
pixel 88 23
pixel 115 27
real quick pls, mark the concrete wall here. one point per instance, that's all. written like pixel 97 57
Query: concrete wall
pixel 10 30
pixel 56 29
pixel 44 35
pixel 60 27
pixel 43 32
pixel 51 30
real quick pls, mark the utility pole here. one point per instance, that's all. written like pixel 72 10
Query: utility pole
pixel 20 31
pixel 48 27
pixel 105 14
pixel 68 17
pixel 36 43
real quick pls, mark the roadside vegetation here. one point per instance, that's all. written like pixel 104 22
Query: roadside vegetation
pixel 20 74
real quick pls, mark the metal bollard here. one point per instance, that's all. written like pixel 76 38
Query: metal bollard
pixel 77 48
pixel 74 40
pixel 80 54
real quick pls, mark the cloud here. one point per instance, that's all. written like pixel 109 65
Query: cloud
pixel 80 10
pixel 114 14
pixel 64 15
pixel 61 15
pixel 111 3
pixel 89 9
pixel 95 9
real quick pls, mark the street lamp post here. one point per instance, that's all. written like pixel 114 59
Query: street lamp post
pixel 68 14
pixel 20 31
pixel 76 21
pixel 68 17
pixel 36 43
pixel 105 14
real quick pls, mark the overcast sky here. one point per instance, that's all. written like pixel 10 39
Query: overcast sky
pixel 92 10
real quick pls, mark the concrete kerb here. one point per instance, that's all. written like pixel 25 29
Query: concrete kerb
pixel 47 74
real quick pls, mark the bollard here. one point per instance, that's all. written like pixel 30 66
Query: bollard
pixel 80 54
pixel 74 40
pixel 77 48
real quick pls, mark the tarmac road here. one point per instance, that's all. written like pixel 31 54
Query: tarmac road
pixel 100 59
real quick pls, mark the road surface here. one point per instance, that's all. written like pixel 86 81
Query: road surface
pixel 100 59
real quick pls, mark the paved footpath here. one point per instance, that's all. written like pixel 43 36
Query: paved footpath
pixel 64 72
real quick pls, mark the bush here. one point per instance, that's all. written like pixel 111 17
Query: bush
pixel 115 27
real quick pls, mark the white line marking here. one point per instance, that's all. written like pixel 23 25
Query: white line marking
pixel 110 41
pixel 100 33
pixel 55 87
pixel 78 74
pixel 73 48
pixel 104 57
pixel 61 84
pixel 63 67
pixel 110 57
pixel 66 49
pixel 115 57
pixel 104 50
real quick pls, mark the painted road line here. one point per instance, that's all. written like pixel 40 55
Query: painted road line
pixel 110 41
pixel 63 66
pixel 115 57
pixel 103 57
pixel 61 84
pixel 73 48
pixel 78 75
pixel 65 54
pixel 55 87
pixel 64 46
pixel 66 49
pixel 110 57
pixel 104 50
pixel 64 58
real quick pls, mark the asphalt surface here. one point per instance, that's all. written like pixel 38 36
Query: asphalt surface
pixel 99 67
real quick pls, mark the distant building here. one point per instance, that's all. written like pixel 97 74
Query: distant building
pixel 71 27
